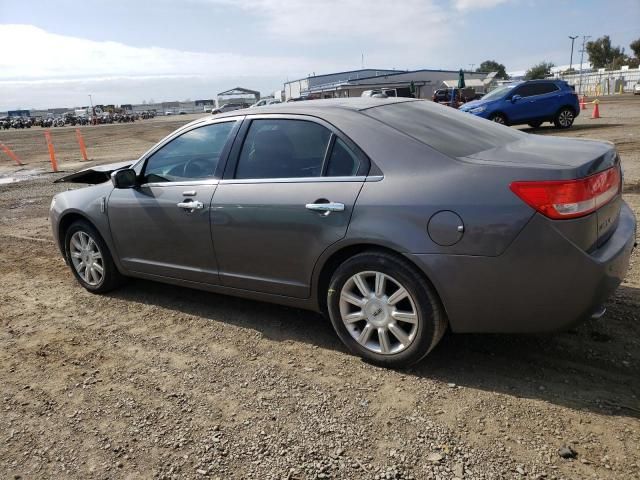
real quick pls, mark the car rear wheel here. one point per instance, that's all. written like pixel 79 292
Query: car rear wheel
pixel 499 118
pixel 384 310
pixel 564 118
pixel 90 259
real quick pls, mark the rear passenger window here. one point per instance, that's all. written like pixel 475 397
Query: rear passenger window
pixel 280 148
pixel 535 89
pixel 343 162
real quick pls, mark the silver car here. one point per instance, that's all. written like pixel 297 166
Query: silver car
pixel 397 218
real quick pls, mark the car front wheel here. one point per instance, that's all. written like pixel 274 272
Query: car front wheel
pixel 498 118
pixel 384 310
pixel 90 259
pixel 564 118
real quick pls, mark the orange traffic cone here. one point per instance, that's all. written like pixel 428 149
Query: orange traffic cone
pixel 596 110
pixel 583 103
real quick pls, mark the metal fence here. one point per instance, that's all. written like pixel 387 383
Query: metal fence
pixel 608 82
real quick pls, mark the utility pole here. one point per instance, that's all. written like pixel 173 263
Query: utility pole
pixel 584 40
pixel 472 65
pixel 573 39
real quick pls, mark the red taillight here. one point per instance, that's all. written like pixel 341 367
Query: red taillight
pixel 559 199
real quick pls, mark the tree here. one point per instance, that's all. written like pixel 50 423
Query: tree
pixel 493 66
pixel 539 71
pixel 602 54
pixel 635 48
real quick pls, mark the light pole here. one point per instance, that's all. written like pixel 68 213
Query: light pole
pixel 584 40
pixel 472 65
pixel 93 113
pixel 573 39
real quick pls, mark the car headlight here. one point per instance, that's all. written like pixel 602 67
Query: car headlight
pixel 53 203
pixel 477 110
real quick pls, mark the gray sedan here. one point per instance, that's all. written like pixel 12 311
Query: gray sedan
pixel 397 218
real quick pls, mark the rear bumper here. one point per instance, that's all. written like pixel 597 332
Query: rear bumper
pixel 542 282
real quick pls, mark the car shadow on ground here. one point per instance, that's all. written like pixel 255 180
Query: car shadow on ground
pixel 549 128
pixel 594 367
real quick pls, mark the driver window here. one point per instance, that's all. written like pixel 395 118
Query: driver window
pixel 194 155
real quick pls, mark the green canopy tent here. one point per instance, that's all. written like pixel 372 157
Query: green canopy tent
pixel 461 85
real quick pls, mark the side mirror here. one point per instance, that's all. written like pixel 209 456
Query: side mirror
pixel 125 178
pixel 515 98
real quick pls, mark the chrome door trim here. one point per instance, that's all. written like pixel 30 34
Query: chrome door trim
pixel 185 183
pixel 360 178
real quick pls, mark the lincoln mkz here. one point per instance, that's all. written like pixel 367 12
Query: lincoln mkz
pixel 397 218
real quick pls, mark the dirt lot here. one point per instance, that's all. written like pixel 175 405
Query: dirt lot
pixel 154 381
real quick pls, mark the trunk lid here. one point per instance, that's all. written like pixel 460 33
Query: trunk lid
pixel 538 158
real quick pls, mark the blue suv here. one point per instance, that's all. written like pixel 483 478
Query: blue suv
pixel 532 102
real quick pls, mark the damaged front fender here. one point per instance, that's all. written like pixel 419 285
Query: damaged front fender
pixel 94 175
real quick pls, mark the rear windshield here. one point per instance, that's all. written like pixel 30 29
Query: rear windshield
pixel 454 133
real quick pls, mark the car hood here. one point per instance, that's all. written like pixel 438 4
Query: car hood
pixel 96 174
pixel 475 103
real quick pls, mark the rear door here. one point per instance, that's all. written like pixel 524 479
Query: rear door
pixel 288 194
pixel 537 101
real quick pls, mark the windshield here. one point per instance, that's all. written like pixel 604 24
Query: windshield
pixel 498 92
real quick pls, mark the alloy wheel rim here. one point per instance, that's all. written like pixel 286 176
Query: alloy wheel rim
pixel 498 119
pixel 86 258
pixel 378 312
pixel 566 117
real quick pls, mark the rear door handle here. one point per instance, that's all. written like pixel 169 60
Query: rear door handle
pixel 325 207
pixel 192 205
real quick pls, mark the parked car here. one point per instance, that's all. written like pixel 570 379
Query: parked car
pixel 264 102
pixel 443 95
pixel 397 218
pixel 636 89
pixel 228 107
pixel 380 93
pixel 533 102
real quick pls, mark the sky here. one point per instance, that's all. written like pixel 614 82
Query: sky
pixel 54 54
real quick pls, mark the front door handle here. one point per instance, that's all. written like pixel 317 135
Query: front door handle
pixel 327 208
pixel 191 205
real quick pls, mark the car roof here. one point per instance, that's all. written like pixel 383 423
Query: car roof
pixel 316 107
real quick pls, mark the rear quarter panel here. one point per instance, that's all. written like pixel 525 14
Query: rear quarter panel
pixel 418 182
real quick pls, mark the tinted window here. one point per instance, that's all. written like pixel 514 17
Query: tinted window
pixel 535 89
pixel 191 156
pixel 283 149
pixel 343 162
pixel 449 131
pixel 547 88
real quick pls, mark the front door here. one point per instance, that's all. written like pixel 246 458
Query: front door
pixel 162 227
pixel 290 196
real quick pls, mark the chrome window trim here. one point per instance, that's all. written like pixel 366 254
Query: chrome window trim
pixel 359 178
pixel 186 183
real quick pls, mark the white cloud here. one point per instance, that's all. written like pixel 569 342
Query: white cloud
pixel 467 5
pixel 371 22
pixel 43 55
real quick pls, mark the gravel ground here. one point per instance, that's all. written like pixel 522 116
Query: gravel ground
pixel 156 381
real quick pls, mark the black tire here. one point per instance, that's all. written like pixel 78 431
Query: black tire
pixel 111 277
pixel 431 321
pixel 499 118
pixel 535 124
pixel 564 118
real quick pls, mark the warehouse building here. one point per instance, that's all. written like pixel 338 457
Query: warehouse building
pixel 417 83
pixel 302 87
